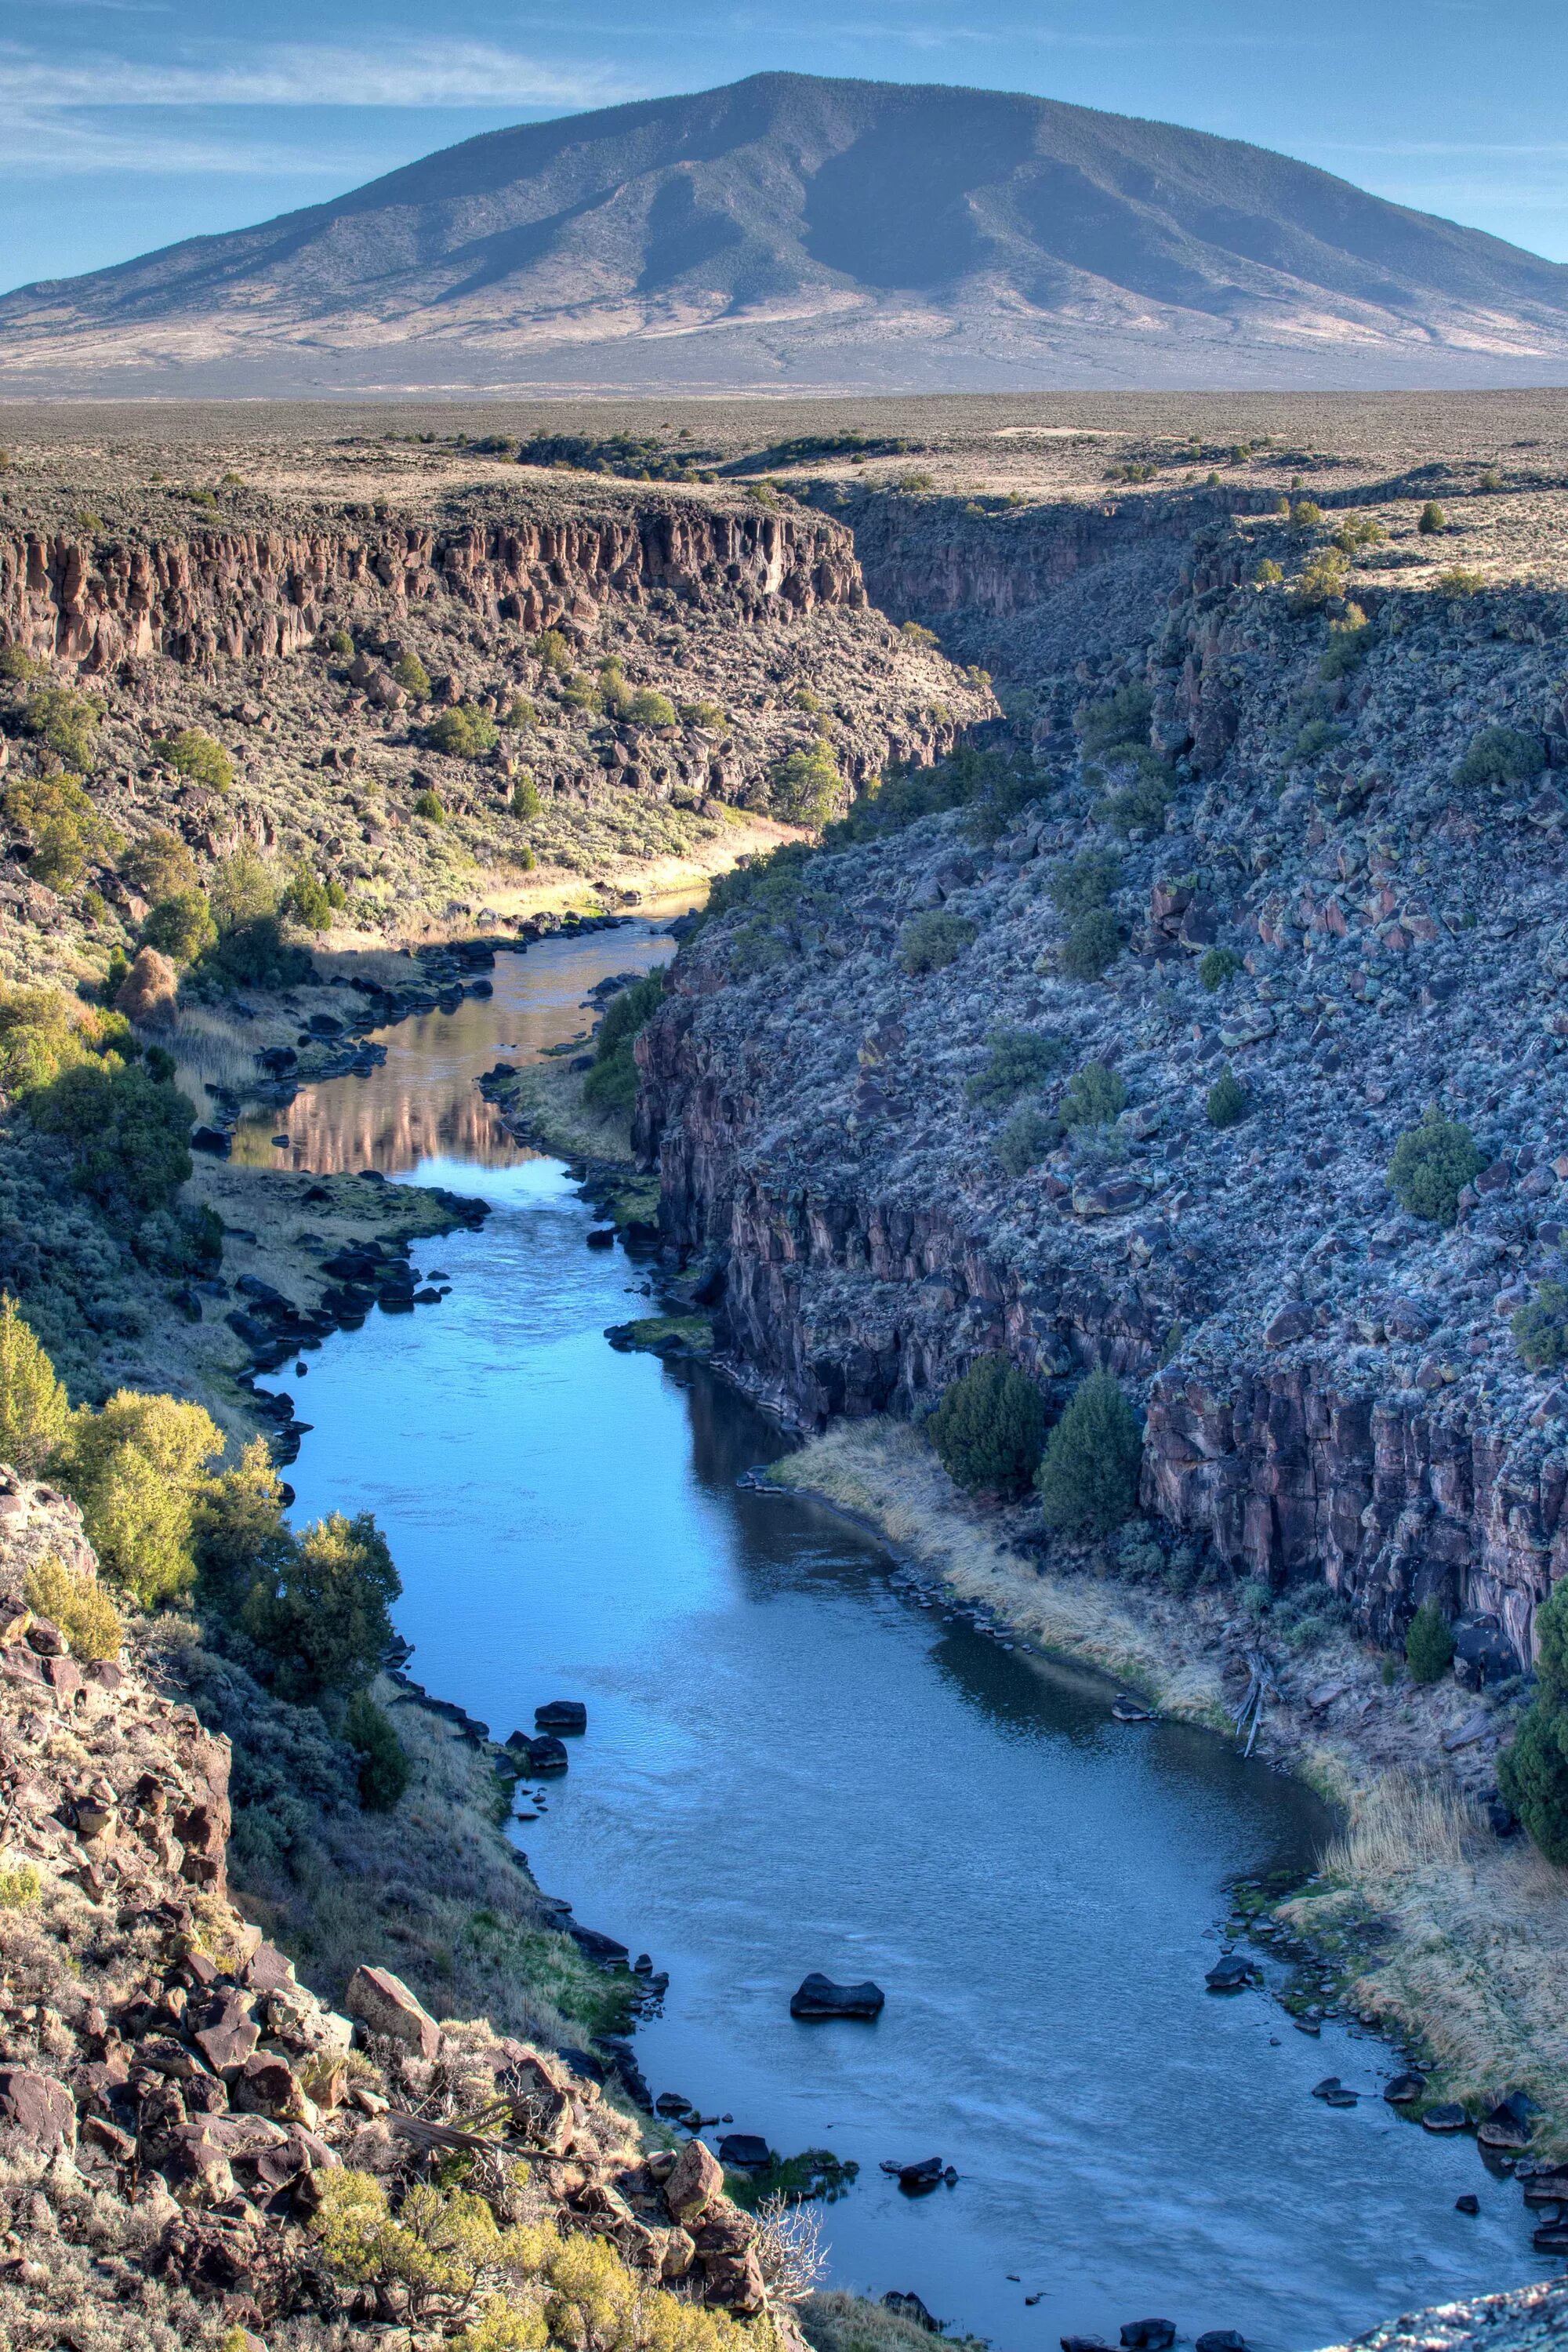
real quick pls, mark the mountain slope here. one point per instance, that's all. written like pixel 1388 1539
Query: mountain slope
pixel 790 227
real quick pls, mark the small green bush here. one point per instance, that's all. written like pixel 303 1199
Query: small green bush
pixel 66 721
pixel 930 942
pixel 1459 582
pixel 1349 641
pixel 1085 885
pixel 1093 1098
pixel 1323 579
pixel 244 887
pixel 1431 1166
pixel 519 712
pixel 326 1618
pixel 1228 1100
pixel 136 1468
pixel 1091 946
pixel 1500 755
pixel 1218 968
pixel 430 807
pixel 1431 519
pixel 1024 1140
pixel 1429 1644
pixel 552 651
pixel 989 1428
pixel 525 801
pixel 806 784
pixel 1540 1329
pixel 1317 736
pixel 647 708
pixel 342 643
pixel 181 927
pixel 464 732
pixel 384 1770
pixel 17 664
pixel 64 831
pixel 612 1083
pixel 193 752
pixel 1017 1060
pixel 1138 808
pixel 1267 573
pixel 410 673
pixel 34 1412
pixel 702 714
pixel 1088 1478
pixel 308 901
pixel 1533 1774
pixel 129 1134
pixel 1121 718
pixel 74 1600
pixel 1306 515
pixel 160 866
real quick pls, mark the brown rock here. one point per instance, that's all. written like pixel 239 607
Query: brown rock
pixel 227 2033
pixel 150 991
pixel 696 2182
pixel 385 2004
pixel 263 2086
pixel 38 2107
pixel 735 2281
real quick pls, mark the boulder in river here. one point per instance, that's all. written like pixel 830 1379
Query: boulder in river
pixel 1084 2344
pixel 745 2152
pixel 1469 2204
pixel 1404 2090
pixel 1221 2339
pixel 1230 1976
pixel 915 2180
pixel 1148 2336
pixel 1450 2118
pixel 546 1754
pixel 602 1237
pixel 561 1714
pixel 818 1995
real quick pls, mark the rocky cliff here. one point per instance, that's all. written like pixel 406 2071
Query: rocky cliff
pixel 194 2145
pixel 1344 771
pixel 252 593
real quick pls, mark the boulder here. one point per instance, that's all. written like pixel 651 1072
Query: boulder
pixel 1148 2336
pixel 148 993
pixel 385 2005
pixel 906 2305
pixel 818 1995
pixel 546 1754
pixel 745 2152
pixel 1404 2090
pixel 38 2108
pixel 696 2182
pixel 915 2180
pixel 264 2085
pixel 1230 1976
pixel 1221 2339
pixel 227 2034
pixel 561 1714
pixel 1450 2118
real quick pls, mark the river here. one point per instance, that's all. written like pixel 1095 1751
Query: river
pixel 791 1764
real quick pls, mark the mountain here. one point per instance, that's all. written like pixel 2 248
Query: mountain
pixel 792 231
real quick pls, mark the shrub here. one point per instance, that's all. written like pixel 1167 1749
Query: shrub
pixel 1267 573
pixel 1317 736
pixel 430 807
pixel 1323 579
pixel 806 785
pixel 307 899
pixel 342 643
pixel 464 732
pixel 1024 1140
pixel 245 887
pixel 1458 581
pixel 325 1617
pixel 1431 519
pixel 136 1468
pixel 1093 1098
pixel 1139 807
pixel 17 664
pixel 702 714
pixel 1500 755
pixel 384 1770
pixel 66 721
pixel 1085 885
pixel 1218 968
pixel 1359 532
pixel 193 752
pixel 1534 1773
pixel 1088 1478
pixel 1305 515
pixel 239 1534
pixel 1121 718
pixel 1348 642
pixel 1228 1100
pixel 989 1428
pixel 74 1600
pixel 64 831
pixel 552 651
pixel 257 955
pixel 525 801
pixel 181 927
pixel 129 1133
pixel 647 708
pixel 612 1083
pixel 1540 1329
pixel 1429 1644
pixel 930 942
pixel 34 1412
pixel 37 1039
pixel 1431 1166
pixel 1017 1060
pixel 1091 946
pixel 410 673
pixel 519 712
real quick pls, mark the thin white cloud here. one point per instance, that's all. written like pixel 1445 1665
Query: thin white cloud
pixel 305 73
pixel 40 143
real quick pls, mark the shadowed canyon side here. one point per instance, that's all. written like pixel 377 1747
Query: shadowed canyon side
pixel 791 230
pixel 1283 813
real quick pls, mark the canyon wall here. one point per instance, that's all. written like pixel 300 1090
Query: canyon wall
pixel 247 593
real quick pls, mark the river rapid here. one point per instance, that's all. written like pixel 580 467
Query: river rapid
pixel 791 1763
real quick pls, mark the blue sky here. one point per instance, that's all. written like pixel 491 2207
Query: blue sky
pixel 125 124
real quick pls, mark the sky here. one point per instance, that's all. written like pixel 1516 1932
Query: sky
pixel 127 125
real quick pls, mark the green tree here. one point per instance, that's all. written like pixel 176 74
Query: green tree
pixel 160 866
pixel 239 1536
pixel 384 1770
pixel 38 1040
pixel 1093 1096
pixel 65 720
pixel 137 1468
pixel 1085 883
pixel 1431 1166
pixel 1121 717
pixel 552 651
pixel 64 831
pixel 519 712
pixel 340 643
pixel 989 1428
pixel 1088 1478
pixel 525 801
pixel 464 732
pixel 194 752
pixel 181 927
pixel 1218 968
pixel 430 807
pixel 930 942
pixel 1431 519
pixel 1534 1773
pixel 1024 1140
pixel 1540 1329
pixel 34 1412
pixel 647 708
pixel 245 887
pixel 612 1083
pixel 307 899
pixel 410 673
pixel 1227 1100
pixel 326 1619
pixel 1016 1061
pixel 1500 755
pixel 1429 1644
pixel 129 1133
pixel 806 785
pixel 1091 946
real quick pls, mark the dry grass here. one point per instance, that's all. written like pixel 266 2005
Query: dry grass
pixel 1400 1825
